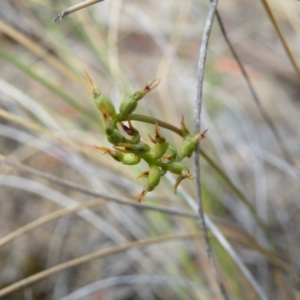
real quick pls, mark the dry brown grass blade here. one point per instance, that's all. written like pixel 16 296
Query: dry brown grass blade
pixel 39 51
pixel 89 257
pixel 281 37
pixel 242 237
pixel 48 218
pixel 87 151
pixel 284 289
pixel 232 233
pixel 74 8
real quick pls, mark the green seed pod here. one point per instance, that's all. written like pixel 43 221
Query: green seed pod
pixel 170 154
pixel 114 136
pixel 126 159
pixel 114 154
pixel 154 176
pixel 176 168
pixel 188 146
pixel 138 149
pixel 161 145
pixel 159 150
pixel 131 131
pixel 130 159
pixel 105 106
pixel 129 104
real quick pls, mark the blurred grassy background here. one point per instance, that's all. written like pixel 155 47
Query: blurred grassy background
pixel 49 122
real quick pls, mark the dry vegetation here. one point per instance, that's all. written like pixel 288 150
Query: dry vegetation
pixel 119 249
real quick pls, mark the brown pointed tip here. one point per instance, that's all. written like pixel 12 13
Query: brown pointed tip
pixel 87 77
pixel 175 187
pixel 90 81
pixel 143 175
pixel 182 122
pixel 128 130
pixel 152 85
pixel 104 150
pixel 187 174
pixel 158 136
pixel 203 134
pixel 184 130
pixel 152 139
pixel 142 194
pixel 178 180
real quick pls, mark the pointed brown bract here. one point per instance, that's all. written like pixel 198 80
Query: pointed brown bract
pixel 152 139
pixel 203 134
pixel 92 84
pixel 114 154
pixel 104 149
pixel 143 175
pixel 104 113
pixel 152 85
pixel 158 137
pixel 143 193
pixel 183 128
pixel 185 174
pixel 131 131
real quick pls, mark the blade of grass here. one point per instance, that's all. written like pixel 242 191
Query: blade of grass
pixel 38 51
pixel 264 114
pixel 51 87
pixel 90 257
pixel 281 37
pixel 74 8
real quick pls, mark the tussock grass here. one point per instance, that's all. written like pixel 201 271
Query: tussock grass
pixel 70 225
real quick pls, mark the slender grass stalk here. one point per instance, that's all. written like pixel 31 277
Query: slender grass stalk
pixel 197 118
pixel 90 257
pixel 281 37
pixel 264 114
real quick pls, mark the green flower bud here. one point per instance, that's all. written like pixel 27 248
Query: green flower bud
pixel 176 168
pixel 161 145
pixel 131 148
pixel 154 176
pixel 189 145
pixel 126 159
pixel 106 107
pixel 153 181
pixel 114 136
pixel 170 155
pixel 129 104
pixel 130 159
pixel 131 131
pixel 104 104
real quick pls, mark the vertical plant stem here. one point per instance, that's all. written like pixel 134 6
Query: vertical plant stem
pixel 197 121
pixel 264 113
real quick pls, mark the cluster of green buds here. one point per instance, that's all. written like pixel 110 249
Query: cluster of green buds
pixel 161 157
